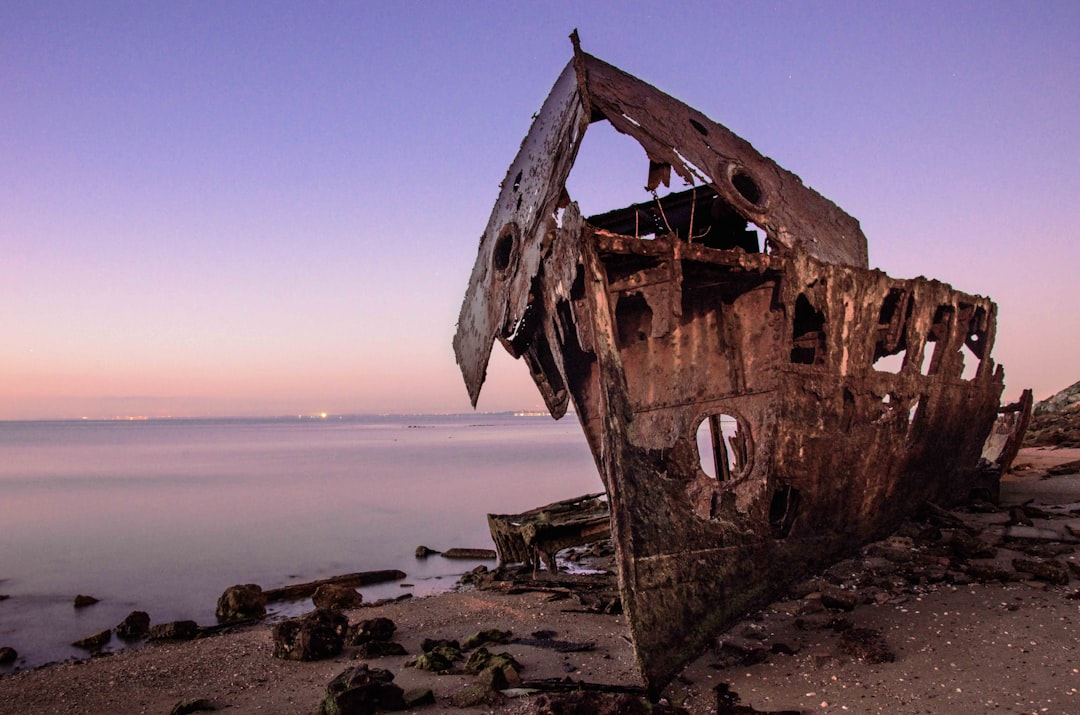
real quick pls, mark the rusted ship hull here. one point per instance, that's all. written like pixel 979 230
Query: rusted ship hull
pixel 739 398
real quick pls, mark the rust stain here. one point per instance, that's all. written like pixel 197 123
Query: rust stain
pixel 756 408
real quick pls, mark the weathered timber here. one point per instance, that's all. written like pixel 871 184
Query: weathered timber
pixel 1007 435
pixel 535 536
pixel 295 592
pixel 758 400
pixel 563 685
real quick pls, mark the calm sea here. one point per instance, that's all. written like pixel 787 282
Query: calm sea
pixel 163 515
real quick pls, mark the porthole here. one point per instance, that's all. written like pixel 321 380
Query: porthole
pixel 746 186
pixel 724 446
pixel 505 252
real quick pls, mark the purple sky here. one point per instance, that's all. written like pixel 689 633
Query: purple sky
pixel 257 208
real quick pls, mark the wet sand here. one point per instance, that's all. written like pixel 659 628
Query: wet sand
pixel 957 647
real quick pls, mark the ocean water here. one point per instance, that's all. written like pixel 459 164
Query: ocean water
pixel 163 515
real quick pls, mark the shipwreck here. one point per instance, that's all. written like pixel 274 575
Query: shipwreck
pixel 757 407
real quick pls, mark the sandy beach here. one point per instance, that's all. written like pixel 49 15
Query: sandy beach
pixel 917 636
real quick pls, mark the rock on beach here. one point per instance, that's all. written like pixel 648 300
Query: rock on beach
pixel 135 625
pixel 241 602
pixel 95 641
pixel 315 636
pixel 336 597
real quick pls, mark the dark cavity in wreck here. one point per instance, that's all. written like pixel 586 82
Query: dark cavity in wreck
pixel 831 400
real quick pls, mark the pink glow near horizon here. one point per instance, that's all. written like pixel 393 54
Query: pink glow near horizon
pixel 225 211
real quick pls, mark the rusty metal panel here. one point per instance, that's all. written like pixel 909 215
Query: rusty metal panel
pixel 512 243
pixel 702 150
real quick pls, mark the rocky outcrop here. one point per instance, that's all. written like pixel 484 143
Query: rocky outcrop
pixel 1055 429
pixel 82 601
pixel 1060 401
pixel 315 636
pixel 1055 421
pixel 241 602
pixel 135 625
pixel 94 642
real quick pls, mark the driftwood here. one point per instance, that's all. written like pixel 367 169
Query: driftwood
pixel 297 591
pixel 563 685
pixel 556 645
pixel 476 554
pixel 564 584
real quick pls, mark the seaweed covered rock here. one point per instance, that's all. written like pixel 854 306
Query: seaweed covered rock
pixel 374 629
pixel 431 661
pixel 440 650
pixel 241 602
pixel 433 643
pixel 491 636
pixel 315 636
pixel 481 659
pixel 362 691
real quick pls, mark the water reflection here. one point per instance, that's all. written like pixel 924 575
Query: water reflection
pixel 162 516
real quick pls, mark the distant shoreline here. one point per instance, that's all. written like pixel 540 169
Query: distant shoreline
pixel 328 417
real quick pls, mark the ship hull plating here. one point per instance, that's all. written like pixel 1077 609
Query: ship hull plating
pixel 756 407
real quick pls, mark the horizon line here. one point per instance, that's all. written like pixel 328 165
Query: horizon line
pixel 316 416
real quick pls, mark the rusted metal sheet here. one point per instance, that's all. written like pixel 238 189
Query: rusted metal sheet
pixel 511 246
pixel 755 411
